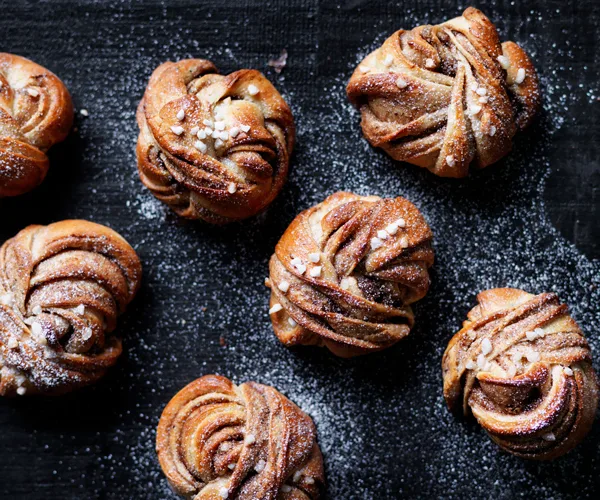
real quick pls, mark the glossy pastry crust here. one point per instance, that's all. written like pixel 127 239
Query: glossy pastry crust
pixel 523 368
pixel 445 97
pixel 62 287
pixel 345 271
pixel 213 147
pixel 218 440
pixel 35 113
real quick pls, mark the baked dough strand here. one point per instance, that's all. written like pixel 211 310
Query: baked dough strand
pixel 62 287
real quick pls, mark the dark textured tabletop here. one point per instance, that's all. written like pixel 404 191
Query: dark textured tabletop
pixel 531 221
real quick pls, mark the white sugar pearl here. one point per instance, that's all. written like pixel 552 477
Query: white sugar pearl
pixel 250 439
pixel 199 145
pixel 6 299
pixel 33 92
pixel 568 371
pixel 194 130
pixel 401 83
pixel 21 391
pixel 224 492
pixel 292 322
pixel 388 61
pixel 177 129
pixel 232 188
pixel 299 265
pixel 252 89
pixel 245 128
pixel 486 346
pixel 181 115
pixel 376 243
pixel 314 257
pixel 275 309
pixel 234 131
pixel 504 61
pixel 284 286
pixel 520 76
pixel 450 160
pixel 315 272
pixel 201 134
pixel 392 228
pixel 382 234
pixel 429 63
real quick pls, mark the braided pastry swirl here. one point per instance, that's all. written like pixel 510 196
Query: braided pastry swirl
pixel 445 96
pixel 213 147
pixel 345 271
pixel 35 113
pixel 217 440
pixel 523 368
pixel 61 289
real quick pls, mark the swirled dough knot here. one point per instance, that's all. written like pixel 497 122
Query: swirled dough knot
pixel 213 147
pixel 447 96
pixel 522 367
pixel 217 440
pixel 35 113
pixel 345 271
pixel 62 287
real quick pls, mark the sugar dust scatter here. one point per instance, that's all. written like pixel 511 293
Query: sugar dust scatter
pixel 381 419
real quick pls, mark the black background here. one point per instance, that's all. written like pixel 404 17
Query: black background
pixel 532 221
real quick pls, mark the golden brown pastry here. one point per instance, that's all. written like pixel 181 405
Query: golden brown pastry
pixel 35 113
pixel 447 96
pixel 62 287
pixel 522 367
pixel 345 271
pixel 217 440
pixel 213 147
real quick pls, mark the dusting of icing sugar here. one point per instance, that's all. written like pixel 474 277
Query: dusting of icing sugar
pixel 381 419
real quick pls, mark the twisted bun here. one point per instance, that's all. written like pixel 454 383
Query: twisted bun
pixel 35 113
pixel 213 147
pixel 62 287
pixel 345 271
pixel 447 96
pixel 217 440
pixel 522 366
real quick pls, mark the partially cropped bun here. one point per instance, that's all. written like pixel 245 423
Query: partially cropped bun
pixel 62 287
pixel 35 113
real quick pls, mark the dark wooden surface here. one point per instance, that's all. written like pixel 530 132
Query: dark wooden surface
pixel 532 221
